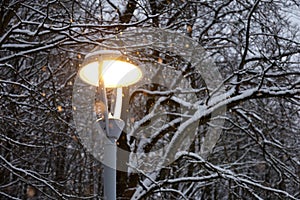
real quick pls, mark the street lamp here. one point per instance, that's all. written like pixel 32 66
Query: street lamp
pixel 110 69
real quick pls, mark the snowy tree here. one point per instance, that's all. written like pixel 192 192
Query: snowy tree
pixel 256 48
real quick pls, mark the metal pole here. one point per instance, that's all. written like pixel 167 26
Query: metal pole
pixel 115 127
pixel 109 174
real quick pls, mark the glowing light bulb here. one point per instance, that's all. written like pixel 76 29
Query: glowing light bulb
pixel 115 73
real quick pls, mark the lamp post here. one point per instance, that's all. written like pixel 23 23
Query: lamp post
pixel 109 69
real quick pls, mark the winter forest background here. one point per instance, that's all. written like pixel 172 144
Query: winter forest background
pixel 256 47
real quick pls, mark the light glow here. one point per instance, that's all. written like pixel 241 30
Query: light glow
pixel 115 73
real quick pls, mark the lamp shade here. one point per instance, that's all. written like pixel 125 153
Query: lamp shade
pixel 109 65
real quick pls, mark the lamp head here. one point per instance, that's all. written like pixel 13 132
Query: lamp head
pixel 111 67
